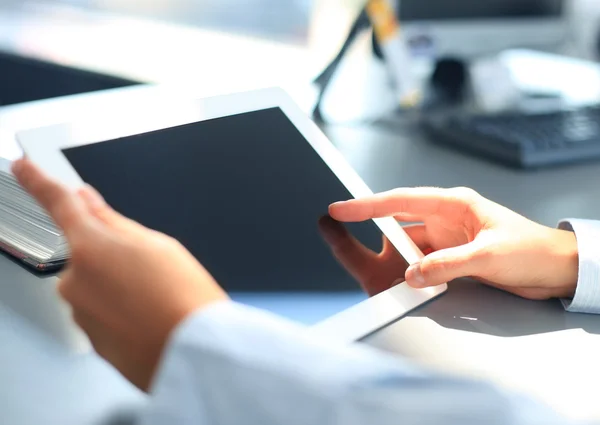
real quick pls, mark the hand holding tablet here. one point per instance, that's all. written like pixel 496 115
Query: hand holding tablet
pixel 466 234
pixel 242 182
pixel 128 286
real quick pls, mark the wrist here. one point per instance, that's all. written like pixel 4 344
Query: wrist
pixel 565 262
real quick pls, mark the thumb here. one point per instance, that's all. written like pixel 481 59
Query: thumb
pixel 445 265
pixel 98 207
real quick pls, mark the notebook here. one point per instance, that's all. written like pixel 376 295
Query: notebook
pixel 26 231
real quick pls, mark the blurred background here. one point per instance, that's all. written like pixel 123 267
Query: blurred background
pixel 231 45
pixel 505 82
pixel 287 20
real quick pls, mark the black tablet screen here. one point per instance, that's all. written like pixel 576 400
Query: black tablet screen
pixel 246 194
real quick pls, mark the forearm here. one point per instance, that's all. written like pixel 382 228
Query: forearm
pixel 233 365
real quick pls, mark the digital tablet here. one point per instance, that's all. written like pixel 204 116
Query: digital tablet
pixel 244 181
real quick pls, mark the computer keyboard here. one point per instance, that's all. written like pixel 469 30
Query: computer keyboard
pixel 521 140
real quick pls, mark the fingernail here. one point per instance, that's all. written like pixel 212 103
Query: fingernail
pixel 414 276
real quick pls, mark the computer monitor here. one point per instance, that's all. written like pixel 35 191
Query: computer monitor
pixel 475 27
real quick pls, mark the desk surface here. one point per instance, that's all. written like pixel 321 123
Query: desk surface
pixel 532 346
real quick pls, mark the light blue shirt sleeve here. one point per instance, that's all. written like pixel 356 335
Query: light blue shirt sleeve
pixel 234 365
pixel 587 294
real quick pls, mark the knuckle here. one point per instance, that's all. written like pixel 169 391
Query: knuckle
pixel 80 254
pixel 163 241
pixel 434 267
pixel 464 200
pixel 399 199
pixel 172 242
pixel 440 267
pixel 484 255
pixel 65 289
pixel 396 194
pixel 464 194
pixel 103 212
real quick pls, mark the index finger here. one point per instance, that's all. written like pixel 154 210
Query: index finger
pixel 64 206
pixel 414 204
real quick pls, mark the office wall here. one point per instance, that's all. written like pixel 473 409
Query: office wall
pixel 281 19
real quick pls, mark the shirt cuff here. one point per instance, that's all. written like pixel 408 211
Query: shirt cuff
pixel 260 357
pixel 587 294
pixel 228 333
pixel 202 352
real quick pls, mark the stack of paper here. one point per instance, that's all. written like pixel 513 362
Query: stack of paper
pixel 26 230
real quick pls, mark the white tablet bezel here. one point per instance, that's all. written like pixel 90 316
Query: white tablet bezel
pixel 44 147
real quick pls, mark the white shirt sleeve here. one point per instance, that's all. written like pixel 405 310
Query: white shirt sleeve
pixel 234 365
pixel 587 294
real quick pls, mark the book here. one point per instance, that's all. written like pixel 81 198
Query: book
pixel 26 231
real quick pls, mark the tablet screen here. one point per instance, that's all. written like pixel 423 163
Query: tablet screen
pixel 248 196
